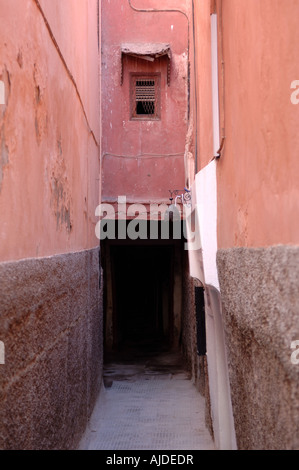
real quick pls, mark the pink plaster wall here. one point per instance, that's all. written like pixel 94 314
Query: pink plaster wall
pixel 201 79
pixel 258 192
pixel 75 24
pixel 148 177
pixel 49 127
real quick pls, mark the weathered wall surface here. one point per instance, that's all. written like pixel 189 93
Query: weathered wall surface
pixel 257 182
pixel 144 159
pixel 49 151
pixel 75 27
pixel 257 206
pixel 51 325
pixel 50 314
pixel 259 290
pixel 258 175
pixel 201 79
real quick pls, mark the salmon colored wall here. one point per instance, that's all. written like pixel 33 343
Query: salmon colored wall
pixel 148 177
pixel 49 163
pixel 74 24
pixel 258 174
pixel 202 82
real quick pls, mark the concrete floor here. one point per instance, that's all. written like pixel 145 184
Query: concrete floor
pixel 147 403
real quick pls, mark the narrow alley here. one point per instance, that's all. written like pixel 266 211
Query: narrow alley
pixel 149 229
pixel 147 403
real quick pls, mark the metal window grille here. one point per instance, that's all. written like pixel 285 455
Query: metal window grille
pixel 145 94
pixel 145 97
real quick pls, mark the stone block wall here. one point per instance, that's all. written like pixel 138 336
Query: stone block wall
pixel 259 290
pixel 51 326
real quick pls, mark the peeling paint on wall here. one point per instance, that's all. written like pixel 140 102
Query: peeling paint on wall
pixel 4 157
pixel 60 204
pixel 20 59
pixel 60 193
pixel 41 117
pixel 151 142
pixel 5 89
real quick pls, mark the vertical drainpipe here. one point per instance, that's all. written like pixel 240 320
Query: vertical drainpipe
pixel 99 15
pixel 195 115
pixel 215 85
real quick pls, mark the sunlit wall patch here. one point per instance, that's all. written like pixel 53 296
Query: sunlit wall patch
pixel 2 92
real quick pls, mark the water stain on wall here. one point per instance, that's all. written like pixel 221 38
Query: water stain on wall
pixel 41 117
pixel 4 157
pixel 60 194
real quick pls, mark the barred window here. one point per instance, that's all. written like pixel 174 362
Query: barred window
pixel 145 97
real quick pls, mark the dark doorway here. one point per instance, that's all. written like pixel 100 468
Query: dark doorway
pixel 142 296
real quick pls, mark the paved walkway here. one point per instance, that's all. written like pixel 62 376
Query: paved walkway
pixel 148 404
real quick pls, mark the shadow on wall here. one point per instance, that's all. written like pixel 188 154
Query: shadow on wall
pixel 221 409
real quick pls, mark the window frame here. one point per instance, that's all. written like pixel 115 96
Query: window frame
pixel 156 77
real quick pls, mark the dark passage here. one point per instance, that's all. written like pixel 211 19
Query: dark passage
pixel 142 293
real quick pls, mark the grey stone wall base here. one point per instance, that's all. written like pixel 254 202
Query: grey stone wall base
pixel 51 325
pixel 260 298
